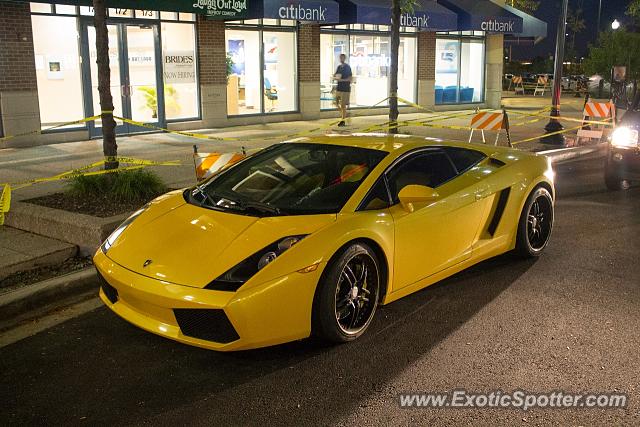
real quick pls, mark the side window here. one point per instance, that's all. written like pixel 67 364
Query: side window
pixel 377 199
pixel 428 169
pixel 464 159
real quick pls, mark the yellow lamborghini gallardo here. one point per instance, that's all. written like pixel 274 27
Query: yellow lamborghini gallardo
pixel 308 237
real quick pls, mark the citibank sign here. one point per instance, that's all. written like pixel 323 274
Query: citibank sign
pixel 495 26
pixel 407 20
pixel 302 13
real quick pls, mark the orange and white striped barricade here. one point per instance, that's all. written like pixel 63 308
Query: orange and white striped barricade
pixel 542 85
pixel 518 84
pixel 597 111
pixel 207 164
pixel 490 121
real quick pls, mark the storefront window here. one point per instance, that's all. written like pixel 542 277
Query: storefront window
pixel 279 71
pixel 179 62
pixel 370 58
pixel 331 46
pixel 55 41
pixel 60 41
pixel 369 54
pixel 459 70
pixel 472 71
pixel 262 71
pixel 243 85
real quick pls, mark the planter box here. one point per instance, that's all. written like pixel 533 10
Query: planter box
pixel 85 231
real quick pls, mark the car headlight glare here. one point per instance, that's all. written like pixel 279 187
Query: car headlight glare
pixel 623 137
pixel 235 277
pixel 111 240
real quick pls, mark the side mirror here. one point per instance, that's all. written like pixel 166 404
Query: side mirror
pixel 420 194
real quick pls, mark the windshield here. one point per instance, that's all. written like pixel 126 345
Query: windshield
pixel 289 179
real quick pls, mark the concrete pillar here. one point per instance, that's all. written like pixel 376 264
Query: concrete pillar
pixel 213 72
pixel 309 71
pixel 495 56
pixel 18 84
pixel 426 69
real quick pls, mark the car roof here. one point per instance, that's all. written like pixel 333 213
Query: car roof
pixel 396 144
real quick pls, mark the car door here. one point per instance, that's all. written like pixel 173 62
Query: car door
pixel 439 234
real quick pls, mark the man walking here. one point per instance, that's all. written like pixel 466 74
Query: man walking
pixel 343 92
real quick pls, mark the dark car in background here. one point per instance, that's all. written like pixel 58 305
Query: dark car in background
pixel 623 155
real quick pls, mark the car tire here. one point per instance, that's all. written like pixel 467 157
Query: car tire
pixel 614 182
pixel 535 224
pixel 347 295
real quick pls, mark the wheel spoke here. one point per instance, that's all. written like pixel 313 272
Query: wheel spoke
pixel 355 314
pixel 350 276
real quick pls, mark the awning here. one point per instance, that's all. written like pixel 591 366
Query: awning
pixel 533 28
pixel 428 15
pixel 484 15
pixel 325 11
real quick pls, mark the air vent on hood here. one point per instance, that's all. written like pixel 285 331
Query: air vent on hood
pixel 495 162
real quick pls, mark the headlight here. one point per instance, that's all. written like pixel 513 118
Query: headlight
pixel 624 137
pixel 118 231
pixel 238 275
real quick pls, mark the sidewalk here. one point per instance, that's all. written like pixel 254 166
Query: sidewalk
pixel 20 164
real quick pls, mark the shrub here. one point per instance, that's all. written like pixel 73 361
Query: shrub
pixel 123 186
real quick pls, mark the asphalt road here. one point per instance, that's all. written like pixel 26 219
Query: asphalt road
pixel 568 321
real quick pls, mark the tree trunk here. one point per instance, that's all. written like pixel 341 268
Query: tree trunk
pixel 109 146
pixel 393 73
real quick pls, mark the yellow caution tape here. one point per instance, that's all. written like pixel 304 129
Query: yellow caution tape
pixel 5 202
pixel 36 132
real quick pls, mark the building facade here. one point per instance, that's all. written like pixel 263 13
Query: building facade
pixel 209 64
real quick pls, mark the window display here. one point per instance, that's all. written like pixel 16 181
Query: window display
pixel 179 70
pixel 369 55
pixel 262 71
pixel 459 70
pixel 55 42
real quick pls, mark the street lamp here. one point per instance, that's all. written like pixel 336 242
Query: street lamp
pixel 615 24
pixel 554 126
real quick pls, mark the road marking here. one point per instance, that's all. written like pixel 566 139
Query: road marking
pixel 33 327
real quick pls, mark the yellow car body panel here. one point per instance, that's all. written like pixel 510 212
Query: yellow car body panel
pixel 190 246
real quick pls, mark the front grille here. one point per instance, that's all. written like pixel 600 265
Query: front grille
pixel 210 325
pixel 110 292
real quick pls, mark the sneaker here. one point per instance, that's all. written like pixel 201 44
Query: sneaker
pixel 342 124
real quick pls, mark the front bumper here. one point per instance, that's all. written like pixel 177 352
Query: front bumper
pixel 624 163
pixel 267 314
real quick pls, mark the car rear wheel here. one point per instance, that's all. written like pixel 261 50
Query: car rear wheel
pixel 347 296
pixel 536 224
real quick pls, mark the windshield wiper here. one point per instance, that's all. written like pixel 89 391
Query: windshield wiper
pixel 263 207
pixel 206 196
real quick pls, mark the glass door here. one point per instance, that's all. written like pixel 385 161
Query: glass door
pixel 135 76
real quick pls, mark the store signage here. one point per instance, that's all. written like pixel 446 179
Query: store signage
pixel 179 67
pixel 428 17
pixel 495 26
pixel 309 11
pixel 407 20
pixel 222 9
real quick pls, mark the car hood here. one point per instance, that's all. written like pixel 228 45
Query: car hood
pixel 190 245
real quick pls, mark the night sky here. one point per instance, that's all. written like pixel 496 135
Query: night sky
pixel 550 10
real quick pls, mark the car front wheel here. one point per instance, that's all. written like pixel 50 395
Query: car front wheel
pixel 347 295
pixel 614 182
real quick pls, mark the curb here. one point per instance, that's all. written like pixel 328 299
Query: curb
pixel 565 154
pixel 41 294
